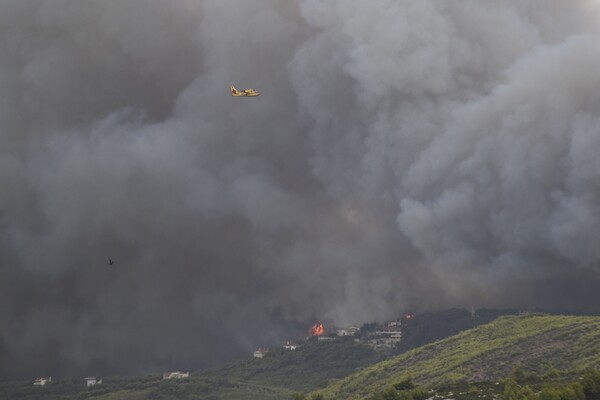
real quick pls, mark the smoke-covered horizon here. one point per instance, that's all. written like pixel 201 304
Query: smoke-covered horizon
pixel 403 155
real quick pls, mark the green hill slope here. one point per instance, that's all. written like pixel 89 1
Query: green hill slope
pixel 485 353
pixel 316 364
pixel 154 388
pixel 353 370
pixel 313 365
pixel 278 375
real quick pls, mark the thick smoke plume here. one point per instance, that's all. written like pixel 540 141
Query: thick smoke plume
pixel 403 155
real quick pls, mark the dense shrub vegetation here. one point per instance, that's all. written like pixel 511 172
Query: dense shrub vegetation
pixel 519 386
pixel 486 353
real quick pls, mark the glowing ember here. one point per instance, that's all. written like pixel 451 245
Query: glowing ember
pixel 409 316
pixel 316 330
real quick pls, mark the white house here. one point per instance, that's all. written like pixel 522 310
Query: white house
pixel 176 375
pixel 290 346
pixel 92 381
pixel 261 352
pixel 42 381
pixel 353 330
pixel 350 331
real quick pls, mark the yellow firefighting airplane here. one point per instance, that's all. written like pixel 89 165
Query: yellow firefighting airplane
pixel 243 93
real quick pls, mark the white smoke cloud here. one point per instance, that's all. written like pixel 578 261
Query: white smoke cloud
pixel 402 155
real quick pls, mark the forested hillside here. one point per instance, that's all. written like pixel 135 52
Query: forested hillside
pixel 537 343
pixel 501 358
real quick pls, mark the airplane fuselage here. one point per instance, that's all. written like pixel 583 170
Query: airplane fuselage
pixel 243 93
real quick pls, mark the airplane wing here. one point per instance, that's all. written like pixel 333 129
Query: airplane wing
pixel 235 92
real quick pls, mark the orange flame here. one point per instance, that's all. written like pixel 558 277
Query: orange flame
pixel 316 330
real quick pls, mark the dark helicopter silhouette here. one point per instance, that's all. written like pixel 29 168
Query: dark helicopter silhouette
pixel 110 262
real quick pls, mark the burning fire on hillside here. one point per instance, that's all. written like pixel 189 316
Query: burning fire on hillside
pixel 316 330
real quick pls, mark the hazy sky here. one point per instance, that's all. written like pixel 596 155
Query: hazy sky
pixel 403 155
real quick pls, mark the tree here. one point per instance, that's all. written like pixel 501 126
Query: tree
pixel 518 374
pixel 419 394
pixel 549 393
pixel 573 392
pixel 390 394
pixel 405 384
pixel 512 391
pixel 591 385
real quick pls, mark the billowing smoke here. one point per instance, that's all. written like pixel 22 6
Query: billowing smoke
pixel 403 155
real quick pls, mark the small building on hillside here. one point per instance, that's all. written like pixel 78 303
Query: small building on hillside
pixel 353 330
pixel 290 345
pixel 349 331
pixel 325 338
pixel 395 324
pixel 176 375
pixel 92 381
pixel 261 352
pixel 42 381
pixel 386 337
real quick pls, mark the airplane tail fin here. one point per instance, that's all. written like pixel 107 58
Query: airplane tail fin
pixel 233 89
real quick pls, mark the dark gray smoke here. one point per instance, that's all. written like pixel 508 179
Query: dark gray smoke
pixel 403 155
